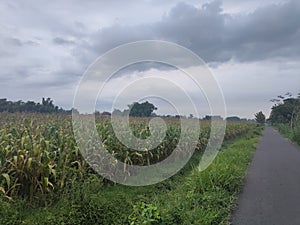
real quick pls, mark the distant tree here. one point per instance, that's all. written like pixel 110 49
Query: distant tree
pixel 233 119
pixel 47 106
pixel 144 109
pixel 136 109
pixel 30 106
pixel 117 112
pixel 207 117
pixel 260 118
pixel 3 105
pixel 105 113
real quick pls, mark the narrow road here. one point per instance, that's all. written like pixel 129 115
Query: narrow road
pixel 271 195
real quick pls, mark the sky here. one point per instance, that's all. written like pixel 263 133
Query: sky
pixel 252 47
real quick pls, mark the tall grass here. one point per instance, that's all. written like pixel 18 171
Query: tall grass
pixel 291 133
pixel 208 197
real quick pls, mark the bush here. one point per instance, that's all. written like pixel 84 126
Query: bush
pixel 144 214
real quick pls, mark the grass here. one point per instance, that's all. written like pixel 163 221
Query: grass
pixel 291 134
pixel 190 197
pixel 210 196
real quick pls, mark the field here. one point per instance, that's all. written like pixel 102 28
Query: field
pixel 42 170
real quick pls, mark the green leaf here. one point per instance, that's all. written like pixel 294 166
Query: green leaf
pixel 7 178
pixel 2 190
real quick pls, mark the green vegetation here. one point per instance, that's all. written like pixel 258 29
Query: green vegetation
pixel 238 119
pixel 210 196
pixel 260 118
pixel 46 106
pixel 45 180
pixel 292 134
pixel 136 109
pixel 286 110
pixel 285 116
pixel 144 109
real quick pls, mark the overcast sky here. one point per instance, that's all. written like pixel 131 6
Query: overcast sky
pixel 252 47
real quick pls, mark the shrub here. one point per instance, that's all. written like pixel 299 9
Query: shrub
pixel 144 214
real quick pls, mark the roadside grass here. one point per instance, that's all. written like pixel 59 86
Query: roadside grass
pixel 291 134
pixel 209 197
pixel 190 197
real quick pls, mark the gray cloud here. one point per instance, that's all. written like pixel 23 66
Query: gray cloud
pixel 13 41
pixel 45 47
pixel 62 41
pixel 270 31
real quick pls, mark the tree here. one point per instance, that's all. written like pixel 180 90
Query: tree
pixel 117 112
pixel 208 117
pixel 144 109
pixel 136 109
pixel 260 118
pixel 47 106
pixel 285 110
pixel 233 119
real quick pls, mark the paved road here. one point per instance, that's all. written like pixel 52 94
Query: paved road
pixel 271 195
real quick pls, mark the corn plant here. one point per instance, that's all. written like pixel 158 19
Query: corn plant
pixel 39 155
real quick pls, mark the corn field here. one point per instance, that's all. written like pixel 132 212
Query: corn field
pixel 39 155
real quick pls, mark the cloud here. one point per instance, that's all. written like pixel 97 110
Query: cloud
pixel 45 47
pixel 272 31
pixel 62 41
pixel 172 86
pixel 248 87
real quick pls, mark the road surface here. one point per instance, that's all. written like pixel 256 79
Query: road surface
pixel 271 195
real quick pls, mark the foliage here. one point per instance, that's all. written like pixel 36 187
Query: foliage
pixel 47 106
pixel 144 213
pixel 260 118
pixel 136 109
pixel 233 118
pixel 209 197
pixel 144 109
pixel 292 134
pixel 285 111
pixel 39 156
pixel 8 215
pixel 75 200
pixel 285 115
pixel 207 117
pixel 296 130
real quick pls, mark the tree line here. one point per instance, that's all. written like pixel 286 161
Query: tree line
pixel 286 110
pixel 46 106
